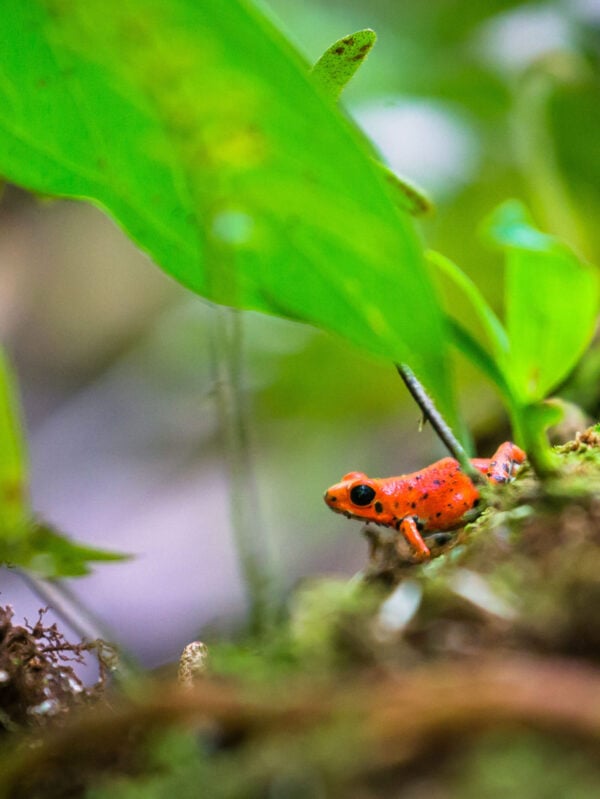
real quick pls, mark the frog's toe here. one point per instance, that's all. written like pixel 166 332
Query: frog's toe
pixel 439 539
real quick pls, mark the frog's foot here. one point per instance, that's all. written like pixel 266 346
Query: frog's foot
pixel 409 527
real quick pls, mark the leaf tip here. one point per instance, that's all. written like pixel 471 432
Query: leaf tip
pixel 511 225
pixel 339 62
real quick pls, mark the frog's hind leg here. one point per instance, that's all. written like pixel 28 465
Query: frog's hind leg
pixel 505 462
pixel 409 529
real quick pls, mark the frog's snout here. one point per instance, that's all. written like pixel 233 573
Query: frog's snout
pixel 330 499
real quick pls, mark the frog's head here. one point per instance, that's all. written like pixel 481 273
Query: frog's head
pixel 356 496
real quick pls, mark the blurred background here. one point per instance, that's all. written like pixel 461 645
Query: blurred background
pixel 474 102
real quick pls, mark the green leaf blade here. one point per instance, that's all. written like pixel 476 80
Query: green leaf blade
pixel 552 300
pixel 479 357
pixel 491 324
pixel 55 555
pixel 51 554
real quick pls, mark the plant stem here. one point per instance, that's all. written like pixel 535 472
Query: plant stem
pixel 437 421
pixel 536 153
pixel 529 424
pixel 251 542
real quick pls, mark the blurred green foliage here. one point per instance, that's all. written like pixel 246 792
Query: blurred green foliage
pixel 13 465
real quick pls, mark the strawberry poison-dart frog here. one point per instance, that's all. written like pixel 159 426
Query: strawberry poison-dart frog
pixel 438 498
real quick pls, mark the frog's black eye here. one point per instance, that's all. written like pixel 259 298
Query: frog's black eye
pixel 362 495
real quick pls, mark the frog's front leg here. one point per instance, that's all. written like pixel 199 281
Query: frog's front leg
pixel 410 530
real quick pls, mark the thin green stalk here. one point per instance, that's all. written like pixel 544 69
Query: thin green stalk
pixel 437 421
pixel 529 424
pixel 251 542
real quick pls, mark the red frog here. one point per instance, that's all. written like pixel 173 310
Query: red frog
pixel 438 498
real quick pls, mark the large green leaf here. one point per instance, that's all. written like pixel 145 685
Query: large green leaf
pixel 197 127
pixel 551 303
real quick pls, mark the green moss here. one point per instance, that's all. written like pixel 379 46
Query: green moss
pixel 525 766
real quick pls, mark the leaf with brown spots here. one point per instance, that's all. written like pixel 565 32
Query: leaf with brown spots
pixel 406 195
pixel 333 71
pixel 337 65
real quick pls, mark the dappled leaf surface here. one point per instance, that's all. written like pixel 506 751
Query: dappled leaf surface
pixel 198 128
